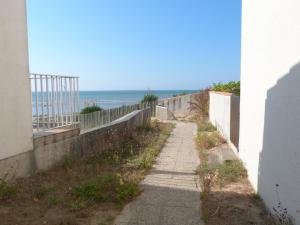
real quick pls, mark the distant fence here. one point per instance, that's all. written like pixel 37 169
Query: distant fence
pixel 99 118
pixel 224 113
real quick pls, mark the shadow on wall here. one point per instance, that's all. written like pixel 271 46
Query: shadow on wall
pixel 279 163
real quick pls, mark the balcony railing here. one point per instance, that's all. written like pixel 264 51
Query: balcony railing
pixel 55 101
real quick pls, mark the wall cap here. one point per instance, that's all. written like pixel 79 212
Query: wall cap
pixel 222 93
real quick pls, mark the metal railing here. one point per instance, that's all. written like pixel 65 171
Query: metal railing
pixel 55 101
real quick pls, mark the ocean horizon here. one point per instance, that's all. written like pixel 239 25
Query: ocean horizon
pixel 116 98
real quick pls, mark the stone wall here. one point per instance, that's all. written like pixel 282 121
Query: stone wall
pixel 52 148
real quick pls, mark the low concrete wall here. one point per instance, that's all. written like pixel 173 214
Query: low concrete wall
pixel 162 113
pixel 179 106
pixel 224 111
pixel 52 149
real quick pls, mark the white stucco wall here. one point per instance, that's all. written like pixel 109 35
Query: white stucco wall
pixel 219 112
pixel 270 100
pixel 15 103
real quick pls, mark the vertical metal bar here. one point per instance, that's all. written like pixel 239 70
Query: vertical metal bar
pixel 74 100
pixel 57 101
pixel 36 103
pixel 47 99
pixel 61 101
pixel 52 102
pixel 78 99
pixel 42 95
pixel 70 101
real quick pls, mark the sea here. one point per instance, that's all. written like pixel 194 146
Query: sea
pixel 113 99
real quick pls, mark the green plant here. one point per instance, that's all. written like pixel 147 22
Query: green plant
pixel 180 94
pixel 108 188
pixel 149 98
pixel 90 109
pixel 208 140
pixel 199 103
pixel 231 87
pixel 6 191
pixel 205 126
pixel 227 172
pixel 68 163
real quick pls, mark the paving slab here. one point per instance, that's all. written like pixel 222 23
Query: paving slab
pixel 171 191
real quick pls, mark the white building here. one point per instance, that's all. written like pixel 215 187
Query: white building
pixel 270 100
pixel 15 100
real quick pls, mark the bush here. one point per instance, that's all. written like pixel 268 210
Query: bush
pixel 149 98
pixel 209 140
pixel 205 126
pixel 180 94
pixel 231 87
pixel 200 102
pixel 90 109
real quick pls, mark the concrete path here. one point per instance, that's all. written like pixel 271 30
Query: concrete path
pixel 171 193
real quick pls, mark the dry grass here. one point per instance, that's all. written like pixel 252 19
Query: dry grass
pixel 227 196
pixel 90 191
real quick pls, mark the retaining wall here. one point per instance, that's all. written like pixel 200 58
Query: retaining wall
pixel 224 112
pixel 52 148
pixel 162 113
pixel 179 105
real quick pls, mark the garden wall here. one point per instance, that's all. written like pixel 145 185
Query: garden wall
pixel 53 147
pixel 224 109
pixel 162 113
pixel 179 105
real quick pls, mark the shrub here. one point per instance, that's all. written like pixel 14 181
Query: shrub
pixel 209 140
pixel 90 109
pixel 231 87
pixel 200 102
pixel 180 94
pixel 149 98
pixel 205 126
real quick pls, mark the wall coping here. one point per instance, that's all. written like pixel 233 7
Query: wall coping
pixel 122 119
pixel 222 93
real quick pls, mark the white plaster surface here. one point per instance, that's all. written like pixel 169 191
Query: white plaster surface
pixel 219 112
pixel 15 99
pixel 270 97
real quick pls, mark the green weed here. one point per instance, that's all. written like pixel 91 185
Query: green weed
pixel 209 140
pixel 108 188
pixel 6 191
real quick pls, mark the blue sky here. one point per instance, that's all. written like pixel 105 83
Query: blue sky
pixel 136 44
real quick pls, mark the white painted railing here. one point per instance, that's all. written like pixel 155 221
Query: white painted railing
pixel 55 101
